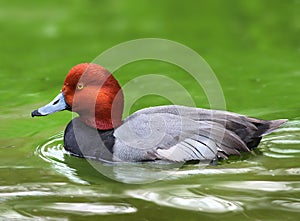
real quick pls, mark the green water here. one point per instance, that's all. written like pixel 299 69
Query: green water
pixel 252 46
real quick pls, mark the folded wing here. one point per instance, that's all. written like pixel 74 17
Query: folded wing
pixel 179 133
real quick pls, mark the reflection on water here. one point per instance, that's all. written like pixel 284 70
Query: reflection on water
pixel 136 173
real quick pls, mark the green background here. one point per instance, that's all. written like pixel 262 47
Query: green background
pixel 253 48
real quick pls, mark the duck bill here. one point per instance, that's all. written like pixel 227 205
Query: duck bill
pixel 57 104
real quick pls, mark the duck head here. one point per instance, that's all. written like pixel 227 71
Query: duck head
pixel 91 91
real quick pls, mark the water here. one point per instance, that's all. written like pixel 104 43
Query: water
pixel 54 185
pixel 253 47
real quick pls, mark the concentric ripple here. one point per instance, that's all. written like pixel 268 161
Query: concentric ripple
pixel 53 152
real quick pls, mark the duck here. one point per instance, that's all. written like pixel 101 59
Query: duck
pixel 170 133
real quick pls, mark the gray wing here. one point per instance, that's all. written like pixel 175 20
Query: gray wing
pixel 180 133
pixel 249 129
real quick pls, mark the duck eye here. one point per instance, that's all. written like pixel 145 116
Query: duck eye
pixel 79 86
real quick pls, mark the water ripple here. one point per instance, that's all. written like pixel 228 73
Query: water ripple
pixel 91 208
pixel 181 197
pixel 284 142
pixel 53 152
pixel 291 204
pixel 49 189
pixel 269 186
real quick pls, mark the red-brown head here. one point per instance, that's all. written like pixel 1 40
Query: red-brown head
pixel 91 91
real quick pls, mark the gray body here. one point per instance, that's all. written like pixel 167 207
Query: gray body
pixel 173 133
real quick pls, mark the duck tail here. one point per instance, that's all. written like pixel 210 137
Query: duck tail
pixel 273 125
pixel 264 127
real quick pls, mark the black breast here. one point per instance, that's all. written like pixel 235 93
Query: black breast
pixel 84 141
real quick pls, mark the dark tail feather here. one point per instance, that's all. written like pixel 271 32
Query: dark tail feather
pixel 253 143
pixel 273 125
pixel 263 128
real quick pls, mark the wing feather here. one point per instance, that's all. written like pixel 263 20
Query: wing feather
pixel 180 133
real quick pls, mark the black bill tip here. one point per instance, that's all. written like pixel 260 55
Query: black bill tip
pixel 36 113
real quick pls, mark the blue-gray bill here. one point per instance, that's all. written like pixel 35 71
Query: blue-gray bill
pixel 57 104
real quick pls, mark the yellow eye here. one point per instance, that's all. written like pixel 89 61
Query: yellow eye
pixel 79 86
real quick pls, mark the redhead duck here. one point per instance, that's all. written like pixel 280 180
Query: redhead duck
pixel 173 133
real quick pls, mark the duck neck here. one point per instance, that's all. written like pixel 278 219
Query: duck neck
pixel 108 112
pixel 101 124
